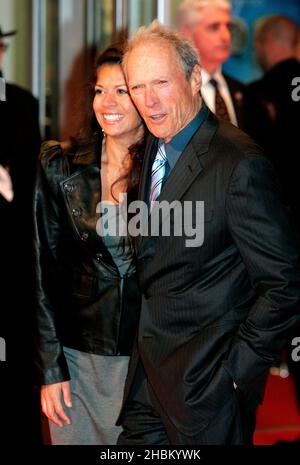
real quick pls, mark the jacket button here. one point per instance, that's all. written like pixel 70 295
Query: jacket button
pixel 76 212
pixel 69 188
pixel 99 256
pixel 84 236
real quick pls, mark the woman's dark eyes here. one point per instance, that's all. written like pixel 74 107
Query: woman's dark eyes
pixel 119 91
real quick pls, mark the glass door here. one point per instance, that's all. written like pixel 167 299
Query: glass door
pixel 67 34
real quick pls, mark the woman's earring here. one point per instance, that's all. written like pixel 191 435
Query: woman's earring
pixel 103 132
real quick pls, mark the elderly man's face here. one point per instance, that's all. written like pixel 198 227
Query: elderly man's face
pixel 211 35
pixel 165 99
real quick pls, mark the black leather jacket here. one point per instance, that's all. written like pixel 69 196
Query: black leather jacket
pixel 82 301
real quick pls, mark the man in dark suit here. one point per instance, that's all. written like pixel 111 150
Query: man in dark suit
pixel 207 24
pixel 275 44
pixel 19 149
pixel 20 134
pixel 215 312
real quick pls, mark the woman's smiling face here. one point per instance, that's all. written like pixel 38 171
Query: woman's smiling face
pixel 112 104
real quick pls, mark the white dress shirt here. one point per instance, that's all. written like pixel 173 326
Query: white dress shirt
pixel 208 93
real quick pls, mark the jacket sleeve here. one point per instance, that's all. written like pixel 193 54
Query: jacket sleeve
pixel 267 240
pixel 51 366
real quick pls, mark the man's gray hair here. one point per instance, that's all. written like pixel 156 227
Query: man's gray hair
pixel 187 9
pixel 156 32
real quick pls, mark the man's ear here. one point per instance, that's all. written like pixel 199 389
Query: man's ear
pixel 196 79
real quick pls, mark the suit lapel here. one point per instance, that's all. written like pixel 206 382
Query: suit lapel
pixel 237 95
pixel 150 151
pixel 186 169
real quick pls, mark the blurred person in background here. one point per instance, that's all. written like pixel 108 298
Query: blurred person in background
pixel 19 148
pixel 207 24
pixel 275 42
pixel 19 126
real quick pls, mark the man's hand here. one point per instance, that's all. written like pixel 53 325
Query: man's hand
pixel 234 385
pixel 51 402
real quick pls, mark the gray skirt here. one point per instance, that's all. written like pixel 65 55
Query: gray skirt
pixel 97 384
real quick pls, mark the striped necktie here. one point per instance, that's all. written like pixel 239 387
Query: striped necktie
pixel 221 109
pixel 158 172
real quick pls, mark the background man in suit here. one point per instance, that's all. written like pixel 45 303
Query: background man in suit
pixel 213 317
pixel 275 44
pixel 271 113
pixel 19 130
pixel 276 39
pixel 207 24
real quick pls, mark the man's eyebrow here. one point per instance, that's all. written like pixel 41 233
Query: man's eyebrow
pixel 134 84
pixel 117 85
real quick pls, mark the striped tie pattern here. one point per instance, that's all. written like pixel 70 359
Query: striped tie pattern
pixel 220 105
pixel 157 174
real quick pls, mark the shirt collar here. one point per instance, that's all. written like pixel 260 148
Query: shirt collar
pixel 176 146
pixel 218 76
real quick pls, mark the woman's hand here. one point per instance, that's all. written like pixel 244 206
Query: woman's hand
pixel 51 395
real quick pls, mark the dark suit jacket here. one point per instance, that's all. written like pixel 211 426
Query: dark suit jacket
pixel 19 149
pixel 19 124
pixel 237 91
pixel 250 110
pixel 218 312
pixel 279 135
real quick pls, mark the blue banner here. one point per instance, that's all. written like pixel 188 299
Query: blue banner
pixel 242 64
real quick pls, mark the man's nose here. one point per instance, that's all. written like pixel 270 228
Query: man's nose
pixel 226 33
pixel 150 97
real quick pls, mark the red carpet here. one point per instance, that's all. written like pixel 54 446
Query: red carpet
pixel 278 419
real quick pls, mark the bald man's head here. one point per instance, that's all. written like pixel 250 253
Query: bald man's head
pixel 276 39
